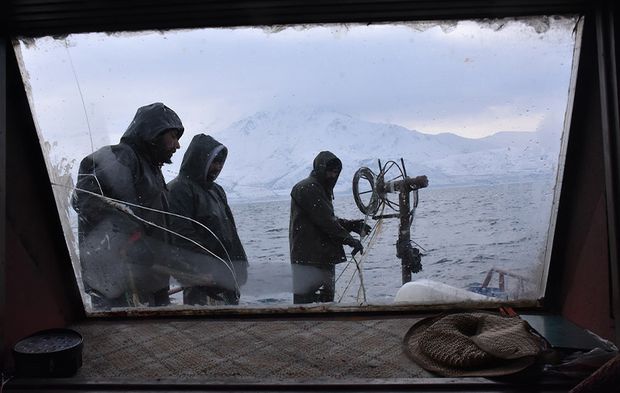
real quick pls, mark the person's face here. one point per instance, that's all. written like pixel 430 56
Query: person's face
pixel 167 145
pixel 332 174
pixel 215 169
pixel 331 177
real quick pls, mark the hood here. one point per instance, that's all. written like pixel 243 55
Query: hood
pixel 199 156
pixel 319 167
pixel 149 122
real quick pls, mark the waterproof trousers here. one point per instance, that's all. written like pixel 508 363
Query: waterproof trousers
pixel 313 283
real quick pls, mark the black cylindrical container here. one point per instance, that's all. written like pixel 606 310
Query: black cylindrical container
pixel 49 353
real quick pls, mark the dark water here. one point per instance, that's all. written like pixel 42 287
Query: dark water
pixel 463 232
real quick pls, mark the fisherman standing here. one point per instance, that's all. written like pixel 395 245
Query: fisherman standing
pixel 316 235
pixel 121 202
pixel 214 248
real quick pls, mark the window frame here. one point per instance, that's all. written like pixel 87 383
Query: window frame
pixel 283 13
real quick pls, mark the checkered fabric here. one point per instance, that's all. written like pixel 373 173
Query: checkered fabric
pixel 247 350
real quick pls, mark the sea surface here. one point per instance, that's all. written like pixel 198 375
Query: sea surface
pixel 462 232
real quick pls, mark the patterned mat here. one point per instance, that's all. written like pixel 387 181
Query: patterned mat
pixel 246 350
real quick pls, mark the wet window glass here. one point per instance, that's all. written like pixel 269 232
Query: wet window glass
pixel 278 167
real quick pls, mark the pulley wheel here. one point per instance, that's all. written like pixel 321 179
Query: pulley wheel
pixel 364 192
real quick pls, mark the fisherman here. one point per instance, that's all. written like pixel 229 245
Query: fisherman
pixel 316 235
pixel 214 249
pixel 121 201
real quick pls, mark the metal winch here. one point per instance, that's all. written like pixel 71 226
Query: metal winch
pixel 389 194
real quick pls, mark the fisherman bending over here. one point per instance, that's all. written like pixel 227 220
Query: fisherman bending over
pixel 316 235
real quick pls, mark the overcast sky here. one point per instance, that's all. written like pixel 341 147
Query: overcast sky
pixel 468 78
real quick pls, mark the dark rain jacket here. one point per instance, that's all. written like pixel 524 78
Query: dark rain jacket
pixel 117 250
pixel 193 195
pixel 316 235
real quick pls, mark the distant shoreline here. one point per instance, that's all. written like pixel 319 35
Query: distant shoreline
pixel 286 197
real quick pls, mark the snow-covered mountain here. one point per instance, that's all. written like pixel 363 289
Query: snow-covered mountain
pixel 270 151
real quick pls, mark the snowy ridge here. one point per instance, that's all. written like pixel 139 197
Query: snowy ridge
pixel 270 151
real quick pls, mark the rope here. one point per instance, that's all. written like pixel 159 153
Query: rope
pixel 123 206
pixel 359 264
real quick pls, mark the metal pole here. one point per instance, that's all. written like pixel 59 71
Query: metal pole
pixel 404 235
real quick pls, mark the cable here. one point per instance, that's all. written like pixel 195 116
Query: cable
pixel 120 205
pixel 4 381
pixel 150 209
pixel 77 82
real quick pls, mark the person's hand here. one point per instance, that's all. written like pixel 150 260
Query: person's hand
pixel 361 228
pixel 357 246
pixel 364 229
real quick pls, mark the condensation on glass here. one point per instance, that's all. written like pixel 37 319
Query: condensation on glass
pixel 478 107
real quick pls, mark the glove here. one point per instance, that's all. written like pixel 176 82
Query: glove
pixel 364 229
pixel 359 227
pixel 356 244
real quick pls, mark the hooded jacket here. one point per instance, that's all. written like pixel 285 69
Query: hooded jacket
pixel 116 249
pixel 316 235
pixel 193 195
